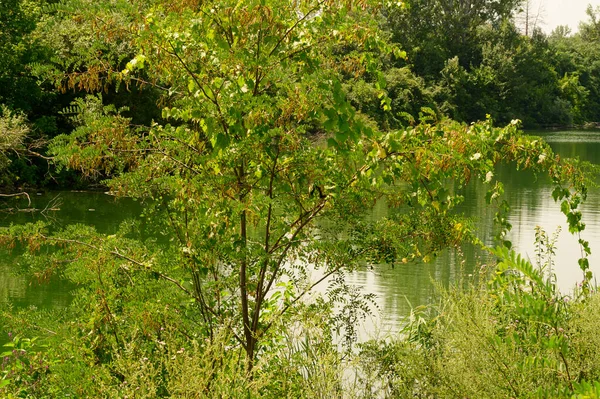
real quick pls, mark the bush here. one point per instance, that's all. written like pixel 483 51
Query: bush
pixel 512 336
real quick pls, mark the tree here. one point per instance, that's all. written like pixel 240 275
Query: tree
pixel 239 172
pixel 576 62
pixel 561 32
pixel 590 30
pixel 17 19
pixel 529 16
pixel 434 31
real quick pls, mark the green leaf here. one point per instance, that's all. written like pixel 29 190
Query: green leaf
pixel 338 93
pixel 584 264
pixel 221 141
pixel 341 137
pixel 343 125
pixel 565 207
pixel 557 193
pixel 332 119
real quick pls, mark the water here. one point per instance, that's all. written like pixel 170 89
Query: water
pixel 399 288
pixel 60 209
pixel 408 285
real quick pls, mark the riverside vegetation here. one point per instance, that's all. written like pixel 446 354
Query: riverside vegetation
pixel 259 133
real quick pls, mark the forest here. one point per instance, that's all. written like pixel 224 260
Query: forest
pixel 258 135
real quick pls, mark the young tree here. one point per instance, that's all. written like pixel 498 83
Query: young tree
pixel 262 144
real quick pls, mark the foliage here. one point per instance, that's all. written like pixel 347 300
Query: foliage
pixel 21 93
pixel 14 129
pixel 513 80
pixel 158 361
pixel 513 335
pixel 476 62
pixel 577 63
pixel 462 60
pixel 590 30
pixel 406 93
pixel 17 20
pixel 23 366
pixel 136 292
pixel 258 172
pixel 434 31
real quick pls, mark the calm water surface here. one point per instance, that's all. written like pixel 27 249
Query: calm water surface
pixel 398 289
pixel 409 285
pixel 96 209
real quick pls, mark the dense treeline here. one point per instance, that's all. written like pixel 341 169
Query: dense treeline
pixel 472 60
pixel 462 61
pixel 259 134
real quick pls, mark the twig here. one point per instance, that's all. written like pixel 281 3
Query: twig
pixel 18 195
pixel 122 256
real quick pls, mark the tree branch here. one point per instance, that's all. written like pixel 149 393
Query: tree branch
pixel 18 195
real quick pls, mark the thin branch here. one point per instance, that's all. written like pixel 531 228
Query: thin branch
pixel 288 245
pixel 228 34
pixel 145 82
pixel 18 195
pixel 304 17
pixel 306 291
pixel 177 161
pixel 303 219
pixel 161 275
pixel 295 52
pixel 260 295
pixel 37 154
pixel 117 254
pixel 193 76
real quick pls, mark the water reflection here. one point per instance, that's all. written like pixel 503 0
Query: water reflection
pixel 58 209
pixel 530 197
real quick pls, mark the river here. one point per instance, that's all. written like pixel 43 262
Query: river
pixel 398 289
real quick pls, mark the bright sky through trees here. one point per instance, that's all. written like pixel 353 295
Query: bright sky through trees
pixel 563 12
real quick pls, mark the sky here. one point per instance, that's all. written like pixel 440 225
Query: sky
pixel 563 12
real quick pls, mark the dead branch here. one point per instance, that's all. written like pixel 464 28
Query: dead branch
pixel 18 195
